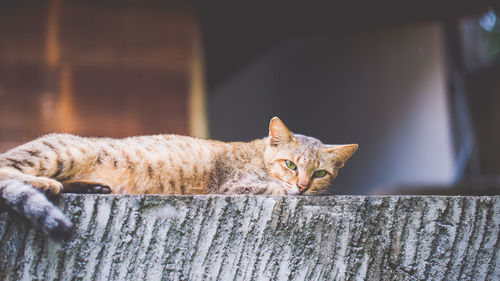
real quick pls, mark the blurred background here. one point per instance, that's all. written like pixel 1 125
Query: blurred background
pixel 416 84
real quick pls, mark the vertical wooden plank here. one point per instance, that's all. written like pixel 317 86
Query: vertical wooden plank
pixel 198 123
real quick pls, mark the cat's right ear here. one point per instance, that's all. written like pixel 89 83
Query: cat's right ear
pixel 279 133
pixel 342 152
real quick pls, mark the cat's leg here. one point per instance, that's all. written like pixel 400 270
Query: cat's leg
pixel 257 188
pixel 250 188
pixel 252 183
pixel 253 189
pixel 83 186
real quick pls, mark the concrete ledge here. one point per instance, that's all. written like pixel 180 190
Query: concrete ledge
pixel 261 238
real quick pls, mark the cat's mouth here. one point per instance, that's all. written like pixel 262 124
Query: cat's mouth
pixel 292 189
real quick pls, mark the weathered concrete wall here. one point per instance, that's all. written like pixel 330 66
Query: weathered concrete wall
pixel 261 238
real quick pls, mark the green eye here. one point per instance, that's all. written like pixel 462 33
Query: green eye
pixel 319 174
pixel 290 165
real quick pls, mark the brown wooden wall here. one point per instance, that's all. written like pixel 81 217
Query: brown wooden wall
pixel 112 68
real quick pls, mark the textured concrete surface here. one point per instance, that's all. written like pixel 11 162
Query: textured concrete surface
pixel 260 238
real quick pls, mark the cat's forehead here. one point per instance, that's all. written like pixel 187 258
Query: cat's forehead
pixel 305 150
pixel 309 141
pixel 309 148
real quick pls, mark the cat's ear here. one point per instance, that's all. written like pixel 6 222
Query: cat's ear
pixel 342 152
pixel 279 133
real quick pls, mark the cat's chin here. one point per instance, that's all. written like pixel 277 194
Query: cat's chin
pixel 293 192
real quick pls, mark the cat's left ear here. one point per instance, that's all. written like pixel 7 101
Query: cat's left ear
pixel 279 133
pixel 342 152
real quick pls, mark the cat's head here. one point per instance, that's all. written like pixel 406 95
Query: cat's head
pixel 306 164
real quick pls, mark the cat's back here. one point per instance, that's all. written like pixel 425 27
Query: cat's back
pixel 175 149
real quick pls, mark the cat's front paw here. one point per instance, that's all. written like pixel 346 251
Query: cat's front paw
pixel 47 186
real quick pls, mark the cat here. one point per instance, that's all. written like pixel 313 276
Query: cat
pixel 281 164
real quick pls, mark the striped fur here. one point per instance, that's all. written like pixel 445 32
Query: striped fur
pixel 162 164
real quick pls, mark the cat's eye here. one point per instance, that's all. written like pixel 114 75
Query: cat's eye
pixel 290 165
pixel 319 174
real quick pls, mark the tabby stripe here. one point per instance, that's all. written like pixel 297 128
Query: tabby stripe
pixel 41 169
pixel 131 167
pixel 150 171
pixel 102 154
pixel 129 163
pixel 48 144
pixel 181 177
pixel 59 169
pixel 34 153
pixel 98 160
pixel 21 163
pixel 16 164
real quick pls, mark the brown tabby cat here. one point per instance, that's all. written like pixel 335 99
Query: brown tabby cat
pixel 280 164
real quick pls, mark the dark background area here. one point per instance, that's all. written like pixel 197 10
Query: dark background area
pixel 416 84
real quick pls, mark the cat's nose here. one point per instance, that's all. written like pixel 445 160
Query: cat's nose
pixel 303 187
